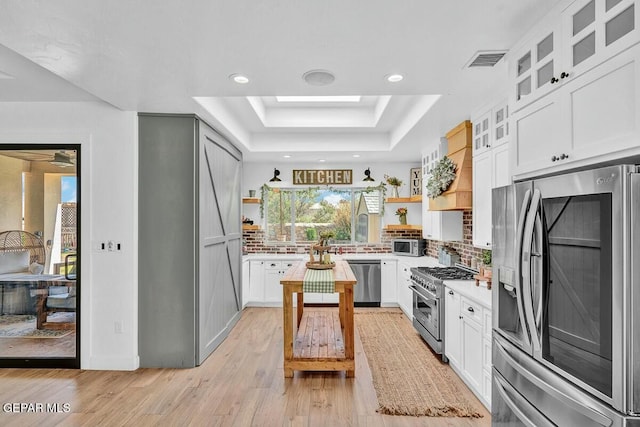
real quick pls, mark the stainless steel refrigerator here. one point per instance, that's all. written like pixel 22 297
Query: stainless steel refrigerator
pixel 566 319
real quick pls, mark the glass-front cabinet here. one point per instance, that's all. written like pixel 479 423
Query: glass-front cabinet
pixel 595 30
pixel 535 65
pixel 572 41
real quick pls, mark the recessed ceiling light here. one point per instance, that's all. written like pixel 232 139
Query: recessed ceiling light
pixel 287 156
pixel 345 98
pixel 318 77
pixel 394 78
pixel 356 155
pixel 239 78
pixel 322 160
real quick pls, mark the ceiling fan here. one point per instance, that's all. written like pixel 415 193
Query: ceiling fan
pixel 61 159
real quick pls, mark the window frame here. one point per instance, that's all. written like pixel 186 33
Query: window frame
pixel 292 227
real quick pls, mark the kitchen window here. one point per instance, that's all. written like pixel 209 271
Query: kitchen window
pixel 353 215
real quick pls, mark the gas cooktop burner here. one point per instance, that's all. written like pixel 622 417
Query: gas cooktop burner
pixel 445 273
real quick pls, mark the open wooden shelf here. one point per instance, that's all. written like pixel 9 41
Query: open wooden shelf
pixel 402 227
pixel 412 199
pixel 250 227
pixel 251 200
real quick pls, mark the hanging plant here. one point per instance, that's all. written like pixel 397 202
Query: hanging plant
pixel 441 177
pixel 263 198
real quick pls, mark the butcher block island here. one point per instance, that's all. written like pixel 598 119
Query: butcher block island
pixel 318 340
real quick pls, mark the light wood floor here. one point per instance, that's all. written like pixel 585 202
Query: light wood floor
pixel 240 384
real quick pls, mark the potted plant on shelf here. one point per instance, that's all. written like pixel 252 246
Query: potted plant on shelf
pixel 486 261
pixel 402 215
pixel 395 183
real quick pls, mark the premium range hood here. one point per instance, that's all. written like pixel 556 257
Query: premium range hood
pixel 459 195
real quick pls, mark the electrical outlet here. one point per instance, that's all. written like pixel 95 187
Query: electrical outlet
pixel 117 326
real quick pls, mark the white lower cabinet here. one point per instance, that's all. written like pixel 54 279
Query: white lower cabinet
pixel 246 280
pixel 405 294
pixel 264 281
pixel 471 343
pixel 388 282
pixel 256 281
pixel 452 327
pixel 468 342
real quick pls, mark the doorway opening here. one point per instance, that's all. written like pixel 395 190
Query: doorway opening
pixel 40 255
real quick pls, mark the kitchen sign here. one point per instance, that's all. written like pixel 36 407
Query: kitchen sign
pixel 322 176
pixel 416 181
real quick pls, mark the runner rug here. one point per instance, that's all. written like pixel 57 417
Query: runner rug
pixel 407 376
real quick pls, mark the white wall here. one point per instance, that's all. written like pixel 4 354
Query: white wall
pixel 257 174
pixel 108 138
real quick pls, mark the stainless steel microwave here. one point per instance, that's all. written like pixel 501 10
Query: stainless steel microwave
pixel 409 247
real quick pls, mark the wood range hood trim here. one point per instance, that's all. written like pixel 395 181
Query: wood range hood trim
pixel 459 195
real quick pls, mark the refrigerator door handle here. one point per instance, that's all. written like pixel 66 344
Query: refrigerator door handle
pixel 519 405
pixel 525 268
pixel 519 238
pixel 570 399
pixel 537 290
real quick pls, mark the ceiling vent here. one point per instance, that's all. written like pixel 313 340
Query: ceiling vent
pixel 318 77
pixel 486 58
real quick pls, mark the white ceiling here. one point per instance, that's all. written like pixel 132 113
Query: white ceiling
pixel 168 56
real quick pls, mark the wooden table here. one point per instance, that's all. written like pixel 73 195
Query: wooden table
pixel 318 338
pixel 40 284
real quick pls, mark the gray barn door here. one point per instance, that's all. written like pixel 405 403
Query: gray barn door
pixel 220 235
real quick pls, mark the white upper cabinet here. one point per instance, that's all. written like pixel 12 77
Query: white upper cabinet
pixel 534 66
pixel 482 129
pixel 569 43
pixel 593 118
pixel 491 167
pixel 596 30
pixel 587 111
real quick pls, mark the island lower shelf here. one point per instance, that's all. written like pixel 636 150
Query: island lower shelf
pixel 319 336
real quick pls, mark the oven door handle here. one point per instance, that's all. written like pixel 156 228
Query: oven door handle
pixel 423 293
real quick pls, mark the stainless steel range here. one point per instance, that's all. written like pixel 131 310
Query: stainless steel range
pixel 428 301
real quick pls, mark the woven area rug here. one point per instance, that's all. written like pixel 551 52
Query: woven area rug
pixel 408 378
pixel 24 326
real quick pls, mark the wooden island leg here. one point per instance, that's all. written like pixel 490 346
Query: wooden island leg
pixel 287 328
pixel 348 329
pixel 300 307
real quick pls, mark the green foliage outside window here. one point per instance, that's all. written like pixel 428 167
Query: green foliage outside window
pixel 301 215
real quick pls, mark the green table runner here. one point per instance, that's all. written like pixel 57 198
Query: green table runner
pixel 319 281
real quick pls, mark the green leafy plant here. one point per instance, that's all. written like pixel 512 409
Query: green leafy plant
pixel 486 257
pixel 312 234
pixel 441 178
pixel 393 181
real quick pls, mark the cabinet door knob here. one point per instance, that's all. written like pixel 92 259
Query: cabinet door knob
pixel 564 75
pixel 554 158
pixel 450 292
pixel 564 156
pixel 273 265
pixel 554 80
pixel 470 309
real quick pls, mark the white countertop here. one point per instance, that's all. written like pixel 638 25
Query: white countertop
pixel 423 261
pixel 468 288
